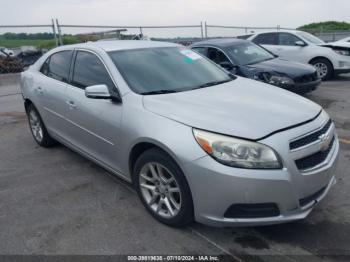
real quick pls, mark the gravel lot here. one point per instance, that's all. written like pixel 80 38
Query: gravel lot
pixel 53 201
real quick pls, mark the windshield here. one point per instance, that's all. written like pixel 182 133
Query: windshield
pixel 169 69
pixel 248 53
pixel 311 38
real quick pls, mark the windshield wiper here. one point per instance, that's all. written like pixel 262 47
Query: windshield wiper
pixel 158 92
pixel 212 84
pixel 266 59
pixel 169 91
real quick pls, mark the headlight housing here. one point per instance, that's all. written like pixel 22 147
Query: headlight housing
pixel 276 80
pixel 342 52
pixel 237 152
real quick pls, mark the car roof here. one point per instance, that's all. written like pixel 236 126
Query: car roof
pixel 221 42
pixel 123 44
pixel 277 31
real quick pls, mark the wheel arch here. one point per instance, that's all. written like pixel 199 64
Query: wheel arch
pixel 322 57
pixel 27 103
pixel 142 146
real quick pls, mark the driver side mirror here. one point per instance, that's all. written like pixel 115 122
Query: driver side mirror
pixel 97 92
pixel 229 67
pixel 300 43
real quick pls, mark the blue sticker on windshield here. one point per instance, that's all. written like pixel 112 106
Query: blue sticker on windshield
pixel 188 60
pixel 190 56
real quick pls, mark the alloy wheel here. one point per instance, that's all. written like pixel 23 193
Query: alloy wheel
pixel 36 126
pixel 322 69
pixel 160 190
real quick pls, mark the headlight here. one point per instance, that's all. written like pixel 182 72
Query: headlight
pixel 276 80
pixel 342 52
pixel 237 152
pixel 280 80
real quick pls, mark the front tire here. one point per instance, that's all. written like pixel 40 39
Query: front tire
pixel 37 128
pixel 162 188
pixel 324 68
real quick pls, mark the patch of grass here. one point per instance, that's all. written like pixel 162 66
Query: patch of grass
pixel 10 43
pixel 47 44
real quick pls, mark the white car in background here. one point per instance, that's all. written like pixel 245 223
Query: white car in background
pixel 346 39
pixel 345 42
pixel 329 59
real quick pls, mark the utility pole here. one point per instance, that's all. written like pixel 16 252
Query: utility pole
pixel 54 32
pixel 59 32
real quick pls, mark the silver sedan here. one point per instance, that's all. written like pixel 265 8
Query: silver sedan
pixel 196 142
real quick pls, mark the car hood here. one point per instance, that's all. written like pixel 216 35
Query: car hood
pixel 280 66
pixel 242 108
pixel 340 44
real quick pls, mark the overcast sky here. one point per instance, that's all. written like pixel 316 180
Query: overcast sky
pixel 291 13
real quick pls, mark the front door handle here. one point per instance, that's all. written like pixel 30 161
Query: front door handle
pixel 40 90
pixel 71 104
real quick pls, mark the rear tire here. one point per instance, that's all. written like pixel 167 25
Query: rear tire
pixel 324 68
pixel 163 188
pixel 38 129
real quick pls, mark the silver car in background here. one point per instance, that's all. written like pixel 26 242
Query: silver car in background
pixel 196 142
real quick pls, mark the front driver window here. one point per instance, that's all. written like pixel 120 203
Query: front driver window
pixel 200 50
pixel 89 71
pixel 287 39
pixel 266 39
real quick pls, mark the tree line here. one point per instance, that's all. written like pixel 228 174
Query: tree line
pixel 327 26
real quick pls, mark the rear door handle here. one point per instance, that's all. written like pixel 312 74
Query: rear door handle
pixel 71 104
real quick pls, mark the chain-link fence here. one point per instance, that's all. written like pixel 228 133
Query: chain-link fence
pixel 49 28
pixel 55 34
pixel 330 36
pixel 97 32
pixel 17 41
pixel 211 31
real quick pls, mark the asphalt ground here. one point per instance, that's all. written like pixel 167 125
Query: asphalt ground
pixel 55 202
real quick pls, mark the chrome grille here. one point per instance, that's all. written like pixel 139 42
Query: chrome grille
pixel 314 159
pixel 310 138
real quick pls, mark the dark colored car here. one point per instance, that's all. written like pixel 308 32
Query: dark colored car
pixel 247 59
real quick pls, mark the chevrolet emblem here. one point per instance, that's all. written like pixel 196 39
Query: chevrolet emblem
pixel 325 142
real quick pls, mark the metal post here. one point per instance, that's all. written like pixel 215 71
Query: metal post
pixel 202 30
pixel 205 29
pixel 54 32
pixel 141 31
pixel 59 32
pixel 278 27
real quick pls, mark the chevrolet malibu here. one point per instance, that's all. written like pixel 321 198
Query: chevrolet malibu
pixel 198 143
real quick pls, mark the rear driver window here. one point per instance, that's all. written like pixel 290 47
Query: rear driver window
pixel 89 71
pixel 266 39
pixel 201 50
pixel 57 66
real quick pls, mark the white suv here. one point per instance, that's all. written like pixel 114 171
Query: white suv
pixel 328 59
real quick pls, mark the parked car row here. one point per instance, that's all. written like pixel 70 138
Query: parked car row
pixel 197 142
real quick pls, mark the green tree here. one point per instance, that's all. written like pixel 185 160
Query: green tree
pixel 327 26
